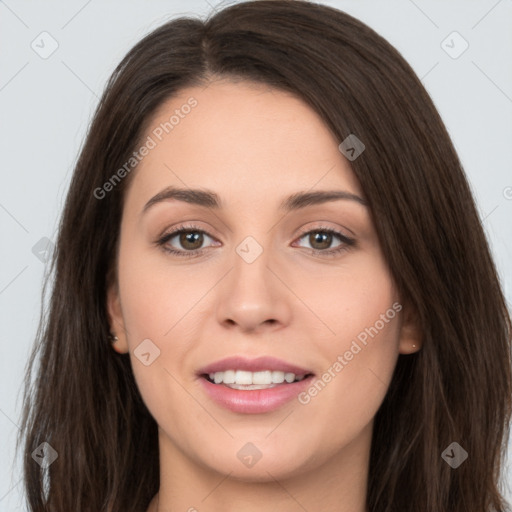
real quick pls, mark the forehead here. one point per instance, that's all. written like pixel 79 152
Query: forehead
pixel 245 138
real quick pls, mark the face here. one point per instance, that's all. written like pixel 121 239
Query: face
pixel 291 289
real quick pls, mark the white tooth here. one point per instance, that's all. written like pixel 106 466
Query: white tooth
pixel 242 377
pixel 264 377
pixel 229 377
pixel 277 377
pixel 251 386
pixel 261 378
pixel 289 377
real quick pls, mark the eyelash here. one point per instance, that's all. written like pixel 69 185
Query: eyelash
pixel 347 242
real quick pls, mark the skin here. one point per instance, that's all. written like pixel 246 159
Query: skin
pixel 254 146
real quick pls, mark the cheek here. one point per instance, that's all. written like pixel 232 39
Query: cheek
pixel 160 302
pixel 156 297
pixel 346 396
pixel 349 298
pixel 360 315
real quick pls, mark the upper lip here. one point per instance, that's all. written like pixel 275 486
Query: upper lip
pixel 253 365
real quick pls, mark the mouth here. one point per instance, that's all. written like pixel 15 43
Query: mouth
pixel 253 386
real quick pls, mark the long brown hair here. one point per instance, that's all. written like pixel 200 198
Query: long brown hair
pixel 81 397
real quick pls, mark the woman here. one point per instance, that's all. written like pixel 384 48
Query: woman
pixel 272 289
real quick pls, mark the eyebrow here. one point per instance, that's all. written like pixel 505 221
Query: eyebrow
pixel 209 199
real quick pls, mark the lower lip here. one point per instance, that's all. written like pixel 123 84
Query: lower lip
pixel 254 401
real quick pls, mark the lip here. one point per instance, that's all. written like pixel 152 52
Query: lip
pixel 253 365
pixel 253 401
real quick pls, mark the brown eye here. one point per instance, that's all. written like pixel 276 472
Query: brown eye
pixel 320 240
pixel 185 241
pixel 191 240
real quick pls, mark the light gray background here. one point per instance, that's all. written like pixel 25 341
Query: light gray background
pixel 46 105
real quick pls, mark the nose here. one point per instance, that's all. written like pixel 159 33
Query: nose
pixel 253 296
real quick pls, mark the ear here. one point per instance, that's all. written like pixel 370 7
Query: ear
pixel 411 339
pixel 116 321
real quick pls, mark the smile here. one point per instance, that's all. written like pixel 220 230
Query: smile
pixel 253 386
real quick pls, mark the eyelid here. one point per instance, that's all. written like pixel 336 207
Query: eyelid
pixel 322 227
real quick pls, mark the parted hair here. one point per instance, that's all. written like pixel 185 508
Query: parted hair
pixel 81 397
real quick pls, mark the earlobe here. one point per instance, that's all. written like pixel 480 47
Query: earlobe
pixel 117 336
pixel 411 339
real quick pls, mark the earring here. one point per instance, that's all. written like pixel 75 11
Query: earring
pixel 112 338
pixel 414 346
